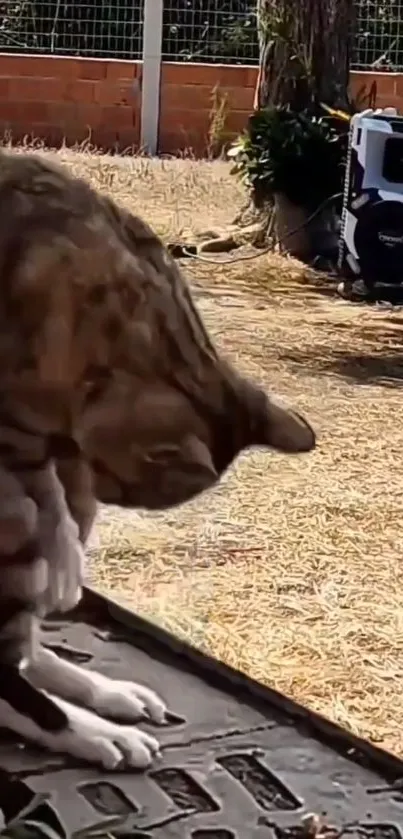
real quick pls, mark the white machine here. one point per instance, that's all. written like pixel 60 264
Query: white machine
pixel 371 238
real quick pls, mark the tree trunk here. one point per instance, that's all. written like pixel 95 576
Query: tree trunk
pixel 305 48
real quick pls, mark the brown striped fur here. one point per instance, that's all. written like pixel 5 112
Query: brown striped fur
pixel 107 371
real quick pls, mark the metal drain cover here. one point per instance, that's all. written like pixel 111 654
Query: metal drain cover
pixel 239 761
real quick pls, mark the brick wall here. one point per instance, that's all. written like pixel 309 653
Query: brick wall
pixel 186 102
pixel 53 98
pixel 100 100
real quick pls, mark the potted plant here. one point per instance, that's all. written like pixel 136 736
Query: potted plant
pixel 294 162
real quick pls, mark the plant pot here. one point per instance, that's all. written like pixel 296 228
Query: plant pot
pixel 292 233
pixel 306 240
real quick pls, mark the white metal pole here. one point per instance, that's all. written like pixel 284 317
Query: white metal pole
pixel 150 89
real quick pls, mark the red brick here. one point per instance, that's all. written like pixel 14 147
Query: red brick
pixel 39 66
pixel 66 68
pixel 194 97
pixel 386 88
pixel 104 140
pixel 11 112
pixel 172 142
pixel 61 113
pixel 188 97
pixel 121 70
pixel 118 117
pixel 252 76
pixel 34 112
pixel 90 116
pixel 13 65
pixel 238 98
pixel 73 127
pixel 129 137
pixel 36 131
pixel 8 132
pixel 399 86
pixel 389 102
pixel 4 89
pixel 240 76
pixel 185 127
pixel 171 73
pixel 75 120
pixel 181 129
pixel 8 65
pixel 80 90
pixel 358 79
pixel 78 133
pixel 51 134
pixel 385 82
pixel 24 89
pixel 184 118
pixel 125 93
pixel 122 140
pixel 236 121
pixel 92 69
pixel 207 74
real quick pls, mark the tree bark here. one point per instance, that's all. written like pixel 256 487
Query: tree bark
pixel 305 48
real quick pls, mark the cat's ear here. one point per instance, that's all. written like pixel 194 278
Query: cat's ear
pixel 286 430
pixel 272 423
pixel 258 418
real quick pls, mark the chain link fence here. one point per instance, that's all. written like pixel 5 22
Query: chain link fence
pixel 193 30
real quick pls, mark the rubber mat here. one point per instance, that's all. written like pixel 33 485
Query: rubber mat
pixel 239 761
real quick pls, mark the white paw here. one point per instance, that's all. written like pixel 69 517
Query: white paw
pixel 100 741
pixel 123 748
pixel 87 737
pixel 126 700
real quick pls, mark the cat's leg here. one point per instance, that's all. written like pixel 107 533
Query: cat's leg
pixel 114 698
pixel 84 735
pixel 76 477
pixel 59 539
pixel 23 571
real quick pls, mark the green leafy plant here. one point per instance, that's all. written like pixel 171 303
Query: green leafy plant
pixel 37 820
pixel 40 820
pixel 299 154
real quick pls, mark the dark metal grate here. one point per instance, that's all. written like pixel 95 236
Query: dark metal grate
pixel 231 769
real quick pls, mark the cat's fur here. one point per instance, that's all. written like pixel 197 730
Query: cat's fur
pixel 111 390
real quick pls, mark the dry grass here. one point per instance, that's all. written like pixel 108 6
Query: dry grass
pixel 292 568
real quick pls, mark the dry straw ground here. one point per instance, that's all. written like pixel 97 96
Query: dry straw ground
pixel 292 569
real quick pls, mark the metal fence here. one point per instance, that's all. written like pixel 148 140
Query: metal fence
pixel 379 38
pixel 222 31
pixel 96 28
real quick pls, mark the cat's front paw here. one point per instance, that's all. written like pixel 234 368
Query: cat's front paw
pixel 126 700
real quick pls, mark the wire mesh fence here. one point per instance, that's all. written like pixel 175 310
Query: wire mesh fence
pixel 96 28
pixel 193 30
pixel 207 30
pixel 379 46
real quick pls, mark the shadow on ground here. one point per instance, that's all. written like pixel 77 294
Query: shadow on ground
pixel 378 359
pixel 368 369
pixel 311 287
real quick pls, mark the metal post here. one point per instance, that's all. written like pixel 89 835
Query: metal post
pixel 150 92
